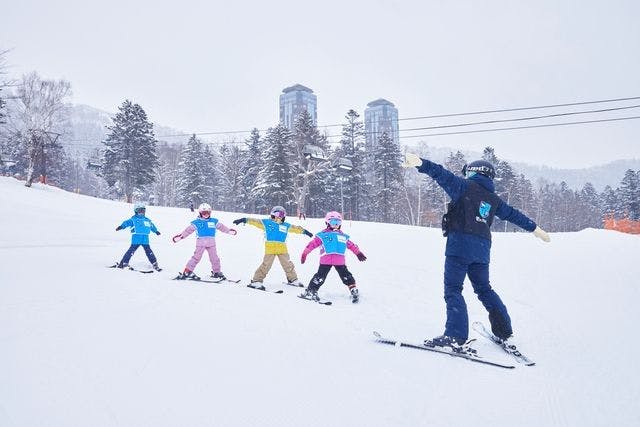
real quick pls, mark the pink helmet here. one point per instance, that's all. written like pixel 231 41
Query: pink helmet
pixel 332 214
pixel 333 219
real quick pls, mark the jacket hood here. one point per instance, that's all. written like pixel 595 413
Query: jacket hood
pixel 486 182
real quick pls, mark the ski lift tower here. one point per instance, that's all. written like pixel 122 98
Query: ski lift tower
pixel 344 166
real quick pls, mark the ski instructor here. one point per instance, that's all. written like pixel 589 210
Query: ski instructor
pixel 466 224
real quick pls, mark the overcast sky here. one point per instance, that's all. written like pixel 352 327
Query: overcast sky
pixel 220 65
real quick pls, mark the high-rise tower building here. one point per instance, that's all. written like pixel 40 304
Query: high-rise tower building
pixel 293 101
pixel 380 116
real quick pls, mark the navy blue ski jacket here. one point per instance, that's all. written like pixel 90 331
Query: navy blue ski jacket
pixel 474 248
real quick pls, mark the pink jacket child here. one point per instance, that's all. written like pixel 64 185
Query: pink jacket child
pixel 205 228
pixel 334 243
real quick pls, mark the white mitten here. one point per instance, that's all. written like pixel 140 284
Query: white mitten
pixel 541 234
pixel 411 161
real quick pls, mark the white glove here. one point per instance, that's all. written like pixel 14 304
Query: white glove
pixel 411 161
pixel 541 234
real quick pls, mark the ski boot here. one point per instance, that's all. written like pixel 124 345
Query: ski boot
pixel 295 282
pixel 187 275
pixel 156 267
pixel 310 294
pixel 256 285
pixel 355 295
pixel 122 265
pixel 218 275
pixel 456 345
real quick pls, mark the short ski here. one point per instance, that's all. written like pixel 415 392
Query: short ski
pixel 273 291
pixel 180 276
pixel 463 355
pixel 512 351
pixel 225 280
pixel 132 269
pixel 323 302
pixel 295 286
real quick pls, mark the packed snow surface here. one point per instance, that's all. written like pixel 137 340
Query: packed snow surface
pixel 83 345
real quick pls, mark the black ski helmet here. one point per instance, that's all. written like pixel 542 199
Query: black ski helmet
pixel 481 167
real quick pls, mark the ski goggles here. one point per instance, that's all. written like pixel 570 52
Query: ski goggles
pixel 278 214
pixel 334 222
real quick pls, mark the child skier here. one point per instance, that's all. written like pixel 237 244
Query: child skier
pixel 276 231
pixel 205 228
pixel 334 245
pixel 141 226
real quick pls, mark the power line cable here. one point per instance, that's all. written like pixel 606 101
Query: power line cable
pixel 436 116
pixel 521 127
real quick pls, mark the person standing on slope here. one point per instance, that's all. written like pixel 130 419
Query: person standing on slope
pixel 276 230
pixel 140 226
pixel 205 228
pixel 334 243
pixel 466 225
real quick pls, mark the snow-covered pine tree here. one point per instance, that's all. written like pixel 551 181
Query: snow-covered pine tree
pixel 191 187
pixel 231 162
pixel 590 209
pixel 211 176
pixel 388 185
pixel 130 156
pixel 274 185
pixel 164 186
pixel 251 164
pixel 352 148
pixel 305 135
pixel 629 195
pixel 609 201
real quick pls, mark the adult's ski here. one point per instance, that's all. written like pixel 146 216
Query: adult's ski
pixel 510 349
pixel 464 355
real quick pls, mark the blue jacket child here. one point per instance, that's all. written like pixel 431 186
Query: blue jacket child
pixel 140 226
pixel 467 224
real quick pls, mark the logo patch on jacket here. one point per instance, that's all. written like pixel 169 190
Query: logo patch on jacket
pixel 484 209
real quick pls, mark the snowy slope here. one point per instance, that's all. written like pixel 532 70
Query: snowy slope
pixel 84 345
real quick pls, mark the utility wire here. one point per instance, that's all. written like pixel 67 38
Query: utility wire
pixel 457 133
pixel 546 116
pixel 521 127
pixel 504 110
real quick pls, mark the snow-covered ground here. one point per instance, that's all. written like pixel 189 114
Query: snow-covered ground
pixel 83 345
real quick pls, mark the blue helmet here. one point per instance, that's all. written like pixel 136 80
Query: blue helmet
pixel 481 167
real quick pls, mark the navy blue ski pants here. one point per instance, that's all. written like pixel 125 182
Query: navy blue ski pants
pixel 455 270
pixel 134 246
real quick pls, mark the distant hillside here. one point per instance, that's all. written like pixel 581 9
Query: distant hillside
pixel 600 176
pixel 89 129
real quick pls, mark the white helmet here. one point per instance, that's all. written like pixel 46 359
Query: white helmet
pixel 139 206
pixel 204 207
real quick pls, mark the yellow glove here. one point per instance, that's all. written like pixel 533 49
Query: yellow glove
pixel 411 161
pixel 541 234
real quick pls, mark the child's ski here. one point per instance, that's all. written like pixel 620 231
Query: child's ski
pixel 132 269
pixel 273 291
pixel 323 302
pixel 473 357
pixel 298 285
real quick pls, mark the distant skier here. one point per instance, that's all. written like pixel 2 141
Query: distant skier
pixel 205 228
pixel 334 245
pixel 140 226
pixel 276 231
pixel 466 224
